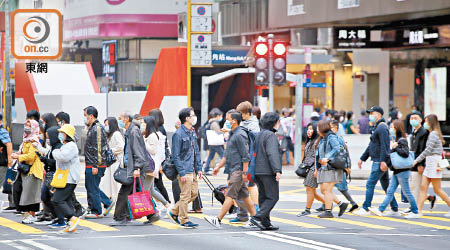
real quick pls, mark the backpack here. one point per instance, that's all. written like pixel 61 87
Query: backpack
pixel 253 151
pixel 202 130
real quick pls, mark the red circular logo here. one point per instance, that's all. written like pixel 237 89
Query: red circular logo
pixel 115 2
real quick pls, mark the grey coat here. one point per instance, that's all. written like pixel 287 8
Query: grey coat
pixel 31 190
pixel 137 154
pixel 268 157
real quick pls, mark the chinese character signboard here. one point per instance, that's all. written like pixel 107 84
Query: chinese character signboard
pixel 109 50
pixel 228 57
pixel 351 37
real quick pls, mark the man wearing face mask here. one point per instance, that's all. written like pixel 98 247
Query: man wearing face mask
pixel 378 150
pixel 186 157
pixel 95 163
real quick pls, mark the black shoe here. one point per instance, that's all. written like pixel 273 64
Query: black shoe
pixel 342 208
pixel 9 209
pixel 119 223
pixel 354 207
pixel 321 209
pixel 432 199
pixel 326 214
pixel 271 228
pixel 304 213
pixel 152 218
pixel 257 223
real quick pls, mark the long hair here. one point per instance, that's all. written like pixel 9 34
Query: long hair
pixel 434 125
pixel 323 127
pixel 151 126
pixel 315 135
pixel 399 129
pixel 158 116
pixel 113 126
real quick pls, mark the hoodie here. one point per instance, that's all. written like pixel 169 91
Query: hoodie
pixel 251 124
pixel 55 143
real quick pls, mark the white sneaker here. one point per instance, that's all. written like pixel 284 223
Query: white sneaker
pixel 213 220
pixel 163 212
pixel 393 213
pixel 250 225
pixel 362 212
pixel 230 216
pixel 413 215
pixel 29 219
pixel 167 216
pixel 405 212
pixel 376 211
pixel 447 214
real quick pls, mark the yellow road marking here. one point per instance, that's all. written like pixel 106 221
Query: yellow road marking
pixel 352 222
pixel 411 222
pixel 19 227
pixel 161 223
pixel 436 218
pixel 295 223
pixel 293 191
pixel 97 226
pixel 364 189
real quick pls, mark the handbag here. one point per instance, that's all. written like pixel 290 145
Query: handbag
pixel 340 160
pixel 169 169
pixel 302 170
pixel 214 139
pixel 60 178
pixel 150 168
pixel 10 177
pixel 140 203
pixel 399 162
pixel 443 163
pixel 121 176
pixel 24 168
pixel 110 158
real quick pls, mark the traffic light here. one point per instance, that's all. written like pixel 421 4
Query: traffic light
pixel 261 63
pixel 279 63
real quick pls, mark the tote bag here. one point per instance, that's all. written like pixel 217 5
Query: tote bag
pixel 140 203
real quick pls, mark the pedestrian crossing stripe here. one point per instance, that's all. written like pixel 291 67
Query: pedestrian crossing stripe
pixel 163 224
pixel 354 222
pixel 295 223
pixel 351 187
pixel 19 227
pixel 411 222
pixel 96 226
pixel 435 218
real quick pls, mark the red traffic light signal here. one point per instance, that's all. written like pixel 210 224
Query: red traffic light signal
pixel 261 48
pixel 279 48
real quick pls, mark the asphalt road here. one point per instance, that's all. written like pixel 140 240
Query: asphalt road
pixel 347 232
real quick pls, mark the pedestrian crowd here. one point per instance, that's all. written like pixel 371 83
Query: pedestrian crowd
pixel 131 152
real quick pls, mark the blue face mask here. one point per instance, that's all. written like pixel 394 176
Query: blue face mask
pixel 61 137
pixel 220 119
pixel 121 124
pixel 414 123
pixel 107 129
pixel 227 124
pixel 372 118
pixel 426 126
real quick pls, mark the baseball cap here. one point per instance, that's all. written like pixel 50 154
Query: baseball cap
pixel 376 109
pixel 315 114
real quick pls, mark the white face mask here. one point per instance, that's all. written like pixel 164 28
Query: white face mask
pixel 194 121
pixel 86 121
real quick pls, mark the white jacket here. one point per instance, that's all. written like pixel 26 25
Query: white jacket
pixel 117 144
pixel 156 148
pixel 67 158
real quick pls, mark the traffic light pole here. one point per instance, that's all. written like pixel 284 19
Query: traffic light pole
pixel 8 93
pixel 270 42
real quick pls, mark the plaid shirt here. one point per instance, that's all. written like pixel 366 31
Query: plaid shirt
pixel 4 135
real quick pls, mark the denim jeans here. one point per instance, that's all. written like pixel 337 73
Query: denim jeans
pixel 212 151
pixel 402 179
pixel 377 175
pixel 343 185
pixel 95 196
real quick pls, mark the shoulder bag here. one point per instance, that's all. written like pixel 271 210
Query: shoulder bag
pixel 340 160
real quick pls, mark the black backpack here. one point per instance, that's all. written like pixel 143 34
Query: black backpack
pixel 202 130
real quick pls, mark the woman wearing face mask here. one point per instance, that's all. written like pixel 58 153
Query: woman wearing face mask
pixel 401 176
pixel 155 145
pixel 309 160
pixel 432 153
pixel 116 143
pixel 67 159
pixel 30 197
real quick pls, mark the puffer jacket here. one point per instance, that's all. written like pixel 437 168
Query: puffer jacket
pixel 91 146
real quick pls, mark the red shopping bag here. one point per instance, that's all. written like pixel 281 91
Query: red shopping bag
pixel 140 203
